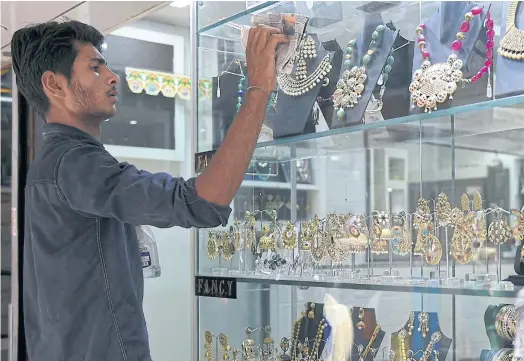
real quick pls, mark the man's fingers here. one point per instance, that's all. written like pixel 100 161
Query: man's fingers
pixel 261 35
pixel 275 40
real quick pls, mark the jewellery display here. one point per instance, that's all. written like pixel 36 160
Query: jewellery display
pixel 498 231
pixel 512 43
pixel 506 322
pixel 423 319
pixel 305 81
pixel 208 346
pixel 352 84
pixel 366 350
pixel 433 84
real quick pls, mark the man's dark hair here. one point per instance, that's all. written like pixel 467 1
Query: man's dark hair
pixel 50 46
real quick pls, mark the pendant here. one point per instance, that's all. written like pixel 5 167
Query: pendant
pixel 349 89
pixel 433 84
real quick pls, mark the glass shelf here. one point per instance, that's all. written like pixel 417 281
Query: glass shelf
pixel 491 125
pixel 304 284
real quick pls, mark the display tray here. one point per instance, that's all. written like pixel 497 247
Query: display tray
pixel 441 290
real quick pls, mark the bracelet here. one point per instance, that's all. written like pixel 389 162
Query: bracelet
pixel 257 87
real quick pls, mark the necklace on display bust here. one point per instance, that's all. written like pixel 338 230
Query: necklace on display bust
pixel 433 84
pixel 512 44
pixel 304 82
pixel 352 85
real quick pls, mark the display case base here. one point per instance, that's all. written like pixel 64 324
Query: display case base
pixel 516 280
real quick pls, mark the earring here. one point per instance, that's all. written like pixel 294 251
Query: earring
pixel 225 347
pixel 235 354
pixel 423 318
pixel 311 313
pixel 248 346
pixel 360 324
pixel 411 323
pixel 208 346
pixel 212 247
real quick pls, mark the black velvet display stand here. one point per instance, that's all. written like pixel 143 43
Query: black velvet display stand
pixel 309 328
pixel 363 336
pixel 440 31
pixel 396 98
pixel 443 345
pixel 374 68
pixel 509 70
pixel 518 265
pixel 495 341
pixel 224 108
pixel 292 115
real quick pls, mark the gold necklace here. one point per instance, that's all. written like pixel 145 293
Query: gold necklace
pixel 294 339
pixel 435 338
pixel 318 339
pixel 364 354
pixel 512 44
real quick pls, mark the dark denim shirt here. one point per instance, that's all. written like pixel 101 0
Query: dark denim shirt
pixel 83 283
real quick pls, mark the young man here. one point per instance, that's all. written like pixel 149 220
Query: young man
pixel 82 279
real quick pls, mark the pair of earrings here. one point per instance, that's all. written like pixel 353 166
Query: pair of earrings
pixel 360 324
pixel 423 319
pixel 311 313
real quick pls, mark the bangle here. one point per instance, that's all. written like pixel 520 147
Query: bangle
pixel 257 87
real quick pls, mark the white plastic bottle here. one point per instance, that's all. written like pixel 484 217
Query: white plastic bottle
pixel 148 252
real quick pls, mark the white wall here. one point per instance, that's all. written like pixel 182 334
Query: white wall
pixel 167 300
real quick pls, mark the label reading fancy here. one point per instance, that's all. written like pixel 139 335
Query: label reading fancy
pixel 222 287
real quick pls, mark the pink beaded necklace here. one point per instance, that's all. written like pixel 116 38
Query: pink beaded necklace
pixel 433 84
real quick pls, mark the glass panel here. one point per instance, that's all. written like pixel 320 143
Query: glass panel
pixel 385 238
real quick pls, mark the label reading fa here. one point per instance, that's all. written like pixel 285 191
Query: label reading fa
pixel 221 287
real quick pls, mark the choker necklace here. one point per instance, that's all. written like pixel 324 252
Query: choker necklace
pixel 352 84
pixel 512 44
pixel 304 82
pixel 433 84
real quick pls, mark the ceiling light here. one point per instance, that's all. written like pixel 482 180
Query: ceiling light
pixel 133 122
pixel 180 3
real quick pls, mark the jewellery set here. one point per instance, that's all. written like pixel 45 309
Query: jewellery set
pixel 434 83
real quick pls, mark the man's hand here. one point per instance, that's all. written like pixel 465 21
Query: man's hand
pixel 220 181
pixel 260 56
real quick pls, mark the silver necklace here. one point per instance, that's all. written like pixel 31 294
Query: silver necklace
pixel 304 82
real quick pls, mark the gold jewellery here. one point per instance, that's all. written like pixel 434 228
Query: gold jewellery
pixel 512 43
pixel 225 347
pixel 249 229
pixel 364 354
pixel 498 231
pixel 382 234
pixel 248 346
pixel 212 246
pixel 267 241
pixel 318 241
pixel 506 322
pixel 289 236
pixel 209 354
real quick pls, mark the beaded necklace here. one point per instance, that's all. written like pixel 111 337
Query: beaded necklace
pixel 433 84
pixel 352 85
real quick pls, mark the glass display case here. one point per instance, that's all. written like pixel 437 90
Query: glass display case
pixel 381 215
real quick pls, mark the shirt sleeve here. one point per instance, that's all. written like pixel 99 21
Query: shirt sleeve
pixel 92 181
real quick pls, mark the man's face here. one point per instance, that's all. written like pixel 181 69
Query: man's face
pixel 92 92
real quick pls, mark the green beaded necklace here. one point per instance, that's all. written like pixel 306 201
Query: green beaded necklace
pixel 352 84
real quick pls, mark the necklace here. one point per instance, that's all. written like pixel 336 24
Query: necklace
pixel 352 85
pixel 294 339
pixel 318 339
pixel 435 338
pixel 365 353
pixel 512 44
pixel 433 84
pixel 303 82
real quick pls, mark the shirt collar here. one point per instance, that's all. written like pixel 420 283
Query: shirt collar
pixel 51 129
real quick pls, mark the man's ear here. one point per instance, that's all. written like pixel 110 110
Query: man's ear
pixel 54 84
